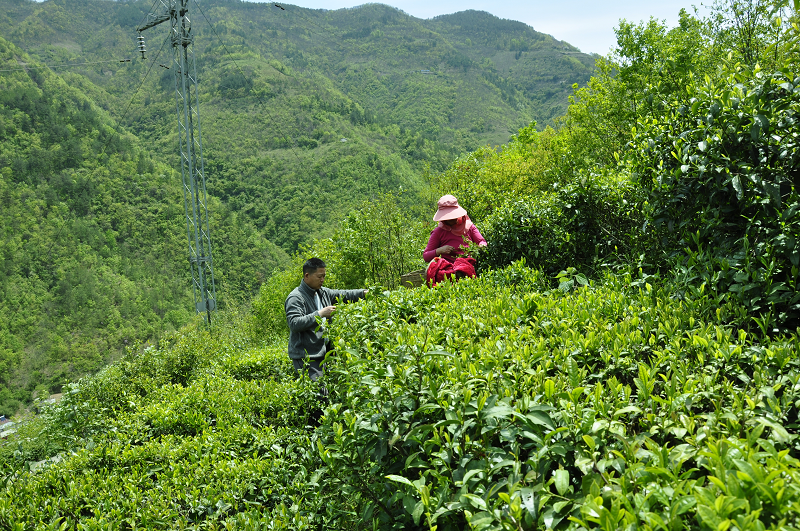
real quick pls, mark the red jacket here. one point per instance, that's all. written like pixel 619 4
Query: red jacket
pixel 440 268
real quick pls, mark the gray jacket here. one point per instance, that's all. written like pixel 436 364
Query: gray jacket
pixel 301 316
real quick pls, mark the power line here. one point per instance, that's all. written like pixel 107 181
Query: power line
pixel 190 144
pixel 147 13
pixel 64 65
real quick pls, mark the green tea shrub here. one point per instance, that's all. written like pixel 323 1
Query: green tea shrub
pixel 215 400
pixel 529 229
pixel 268 314
pixel 580 224
pixel 259 364
pixel 720 171
pixel 375 244
pixel 141 375
pixel 608 406
pixel 209 481
pixel 87 406
pixel 488 403
pixel 517 274
pixel 224 446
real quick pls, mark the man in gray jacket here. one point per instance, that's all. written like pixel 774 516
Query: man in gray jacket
pixel 307 341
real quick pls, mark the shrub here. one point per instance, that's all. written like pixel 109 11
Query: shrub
pixel 225 446
pixel 268 314
pixel 482 406
pixel 374 245
pixel 721 172
pixel 579 224
pixel 485 178
pixel 530 229
pixel 487 403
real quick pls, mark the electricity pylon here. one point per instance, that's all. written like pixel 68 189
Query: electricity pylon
pixel 187 105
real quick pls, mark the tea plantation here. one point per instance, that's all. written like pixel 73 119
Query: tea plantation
pixel 652 384
pixel 492 403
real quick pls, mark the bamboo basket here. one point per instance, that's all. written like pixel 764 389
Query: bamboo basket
pixel 413 279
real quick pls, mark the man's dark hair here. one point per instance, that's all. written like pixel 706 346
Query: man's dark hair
pixel 311 265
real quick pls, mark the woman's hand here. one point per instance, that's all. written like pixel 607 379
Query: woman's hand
pixel 445 249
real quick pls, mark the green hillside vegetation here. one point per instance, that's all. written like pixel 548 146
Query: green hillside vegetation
pixel 93 247
pixel 281 88
pixel 539 66
pixel 627 358
pixel 487 403
pixel 303 121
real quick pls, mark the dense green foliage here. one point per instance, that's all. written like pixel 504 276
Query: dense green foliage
pixel 593 221
pixel 306 115
pixel 489 404
pixel 642 374
pixel 374 245
pixel 695 142
pixel 204 428
pixel 486 178
pixel 92 255
pixel 307 112
pixel 722 174
pixel 496 403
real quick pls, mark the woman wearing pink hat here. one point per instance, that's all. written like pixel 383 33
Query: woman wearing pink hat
pixel 455 229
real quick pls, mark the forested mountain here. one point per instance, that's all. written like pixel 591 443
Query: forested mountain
pixel 282 87
pixel 626 357
pixel 93 249
pixel 305 114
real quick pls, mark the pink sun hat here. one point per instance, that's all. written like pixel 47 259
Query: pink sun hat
pixel 448 209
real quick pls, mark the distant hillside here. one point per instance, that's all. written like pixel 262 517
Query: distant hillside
pixel 92 237
pixel 282 88
pixel 541 68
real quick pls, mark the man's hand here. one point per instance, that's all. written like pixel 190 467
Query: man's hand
pixel 327 311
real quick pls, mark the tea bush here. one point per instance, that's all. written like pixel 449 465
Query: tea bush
pixel 374 245
pixel 157 442
pixel 580 224
pixel 491 403
pixel 721 170
pixel 268 314
pixel 485 406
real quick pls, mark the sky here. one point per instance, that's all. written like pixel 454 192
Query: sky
pixel 585 24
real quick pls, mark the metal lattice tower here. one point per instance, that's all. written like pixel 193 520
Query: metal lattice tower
pixel 187 105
